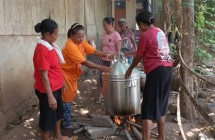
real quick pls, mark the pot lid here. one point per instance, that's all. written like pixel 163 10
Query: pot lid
pixel 120 68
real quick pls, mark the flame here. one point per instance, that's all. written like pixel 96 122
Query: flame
pixel 117 120
pixel 132 119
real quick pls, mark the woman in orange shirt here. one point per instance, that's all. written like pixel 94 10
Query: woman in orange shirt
pixel 74 54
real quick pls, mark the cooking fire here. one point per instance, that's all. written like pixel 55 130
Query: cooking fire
pixel 129 127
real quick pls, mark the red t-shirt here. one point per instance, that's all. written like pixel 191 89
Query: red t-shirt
pixel 154 49
pixel 47 60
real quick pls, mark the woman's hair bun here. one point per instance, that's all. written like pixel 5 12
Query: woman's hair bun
pixel 38 27
pixel 113 19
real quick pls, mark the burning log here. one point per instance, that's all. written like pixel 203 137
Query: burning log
pixel 134 124
pixel 128 136
pixel 140 127
pixel 137 134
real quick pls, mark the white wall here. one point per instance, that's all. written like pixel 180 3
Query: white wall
pixel 18 40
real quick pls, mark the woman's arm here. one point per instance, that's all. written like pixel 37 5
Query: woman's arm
pixel 133 41
pixel 118 48
pixel 130 53
pixel 103 54
pixel 45 80
pixel 95 66
pixel 134 63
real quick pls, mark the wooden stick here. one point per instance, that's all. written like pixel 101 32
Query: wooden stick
pixel 140 127
pixel 78 130
pixel 179 118
pixel 197 106
pixel 83 123
pixel 128 136
pixel 137 134
pixel 81 119
pixel 134 124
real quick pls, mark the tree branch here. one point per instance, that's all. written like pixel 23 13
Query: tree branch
pixel 197 106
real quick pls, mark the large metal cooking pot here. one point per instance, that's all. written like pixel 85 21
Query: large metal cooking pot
pixel 142 80
pixel 121 96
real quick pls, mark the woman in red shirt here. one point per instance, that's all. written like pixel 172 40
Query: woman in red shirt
pixel 153 49
pixel 48 79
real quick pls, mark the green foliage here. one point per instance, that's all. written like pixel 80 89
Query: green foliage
pixel 201 19
pixel 173 51
pixel 202 55
pixel 204 21
pixel 204 29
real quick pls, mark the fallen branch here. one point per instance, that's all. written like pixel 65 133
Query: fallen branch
pixel 179 118
pixel 197 106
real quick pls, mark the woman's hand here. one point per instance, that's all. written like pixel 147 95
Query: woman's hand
pixel 118 55
pixel 51 99
pixel 110 56
pixel 64 86
pixel 105 69
pixel 126 53
pixel 128 73
pixel 52 102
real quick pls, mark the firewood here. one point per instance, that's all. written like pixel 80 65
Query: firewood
pixel 78 130
pixel 77 119
pixel 83 123
pixel 137 134
pixel 134 124
pixel 98 132
pixel 102 121
pixel 128 136
pixel 140 127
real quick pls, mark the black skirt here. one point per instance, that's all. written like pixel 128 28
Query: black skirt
pixel 156 93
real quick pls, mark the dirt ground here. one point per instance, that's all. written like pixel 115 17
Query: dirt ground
pixel 27 128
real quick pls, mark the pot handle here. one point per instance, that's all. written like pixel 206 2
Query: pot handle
pixel 130 84
pixel 115 59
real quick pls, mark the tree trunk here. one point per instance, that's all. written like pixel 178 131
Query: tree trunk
pixel 178 14
pixel 167 15
pixel 187 109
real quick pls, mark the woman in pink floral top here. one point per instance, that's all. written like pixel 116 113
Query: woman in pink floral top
pixel 128 39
